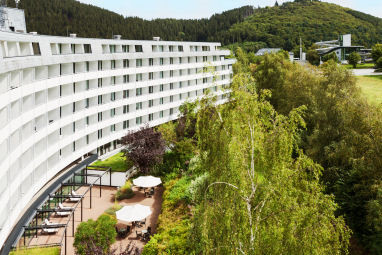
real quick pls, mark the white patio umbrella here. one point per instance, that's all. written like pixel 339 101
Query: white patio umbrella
pixel 133 213
pixel 147 181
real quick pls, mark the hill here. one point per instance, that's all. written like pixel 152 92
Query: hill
pixel 278 26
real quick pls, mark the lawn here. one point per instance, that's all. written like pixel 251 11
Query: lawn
pixel 361 66
pixel 371 87
pixel 116 162
pixel 37 251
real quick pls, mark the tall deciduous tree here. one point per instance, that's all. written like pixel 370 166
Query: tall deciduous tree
pixel 354 58
pixel 264 195
pixel 144 147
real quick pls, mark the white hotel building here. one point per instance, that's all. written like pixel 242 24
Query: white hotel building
pixel 62 98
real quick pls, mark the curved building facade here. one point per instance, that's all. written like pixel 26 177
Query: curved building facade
pixel 64 97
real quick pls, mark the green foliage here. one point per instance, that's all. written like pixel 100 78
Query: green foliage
pixel 354 58
pixel 178 192
pixel 332 56
pixel 118 163
pixel 312 56
pixel 37 251
pixel 125 192
pixel 246 27
pixel 376 52
pixel 379 63
pixel 111 210
pixel 95 234
pixel 264 195
pixel 197 187
pixel 174 226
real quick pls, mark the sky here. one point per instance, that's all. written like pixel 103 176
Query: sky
pixel 192 9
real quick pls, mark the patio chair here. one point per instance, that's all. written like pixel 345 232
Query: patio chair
pixel 152 191
pixel 141 223
pixel 139 234
pixel 63 210
pixel 75 197
pixel 146 233
pixel 122 230
pixel 48 230
pixel 147 193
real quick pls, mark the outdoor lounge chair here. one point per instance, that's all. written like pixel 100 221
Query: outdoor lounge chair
pixel 146 233
pixel 76 197
pixel 49 230
pixel 63 210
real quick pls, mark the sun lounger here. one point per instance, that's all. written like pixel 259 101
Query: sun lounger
pixel 49 230
pixel 63 210
pixel 75 197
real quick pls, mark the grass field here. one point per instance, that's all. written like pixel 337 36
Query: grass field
pixel 361 66
pixel 116 162
pixel 371 87
pixel 37 251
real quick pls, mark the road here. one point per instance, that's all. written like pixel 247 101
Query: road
pixel 362 72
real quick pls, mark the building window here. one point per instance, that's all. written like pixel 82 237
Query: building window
pixel 99 82
pixel 161 74
pixel 74 146
pixel 138 120
pixel 180 96
pixel 180 48
pixel 180 84
pixel 161 48
pixel 151 76
pixel 112 128
pixel 100 134
pixel 138 48
pixel 171 73
pixel 125 63
pixel 161 61
pixel 112 96
pixel 161 114
pixel 215 58
pixel 151 62
pixel 125 124
pixel 113 80
pixel 138 91
pixel 125 48
pixel 125 109
pixel 151 103
pixel 171 85
pixel 138 77
pixel 204 80
pixel 87 65
pixel 87 139
pixel 87 48
pixel 100 99
pixel 87 85
pixel 126 94
pixel 138 62
pixel 113 64
pixel 188 94
pixel 73 47
pixel 87 120
pixel 87 103
pixel 99 65
pixel 161 100
pixel 171 111
pixel 138 106
pixel 188 71
pixel 112 112
pixel 112 48
pixel 171 48
pixel 189 59
pixel 151 117
pixel 171 99
pixel 74 107
pixel 204 58
pixel 126 78
pixel 74 127
pixel 99 116
pixel 151 89
pixel 171 61
pixel 180 60
pixel 161 87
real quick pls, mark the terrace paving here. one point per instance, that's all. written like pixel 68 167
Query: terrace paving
pixel 99 205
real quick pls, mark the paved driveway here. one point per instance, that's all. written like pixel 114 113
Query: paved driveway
pixel 361 72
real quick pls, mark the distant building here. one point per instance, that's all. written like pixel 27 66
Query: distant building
pixel 12 20
pixel 342 47
pixel 264 51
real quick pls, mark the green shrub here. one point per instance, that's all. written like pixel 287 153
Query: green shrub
pixel 174 240
pixel 197 187
pixel 111 210
pixel 125 192
pixel 378 64
pixel 179 191
pixel 95 235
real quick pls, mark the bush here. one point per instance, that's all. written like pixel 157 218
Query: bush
pixel 354 58
pixel 95 235
pixel 125 192
pixel 197 187
pixel 378 64
pixel 179 192
pixel 111 210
